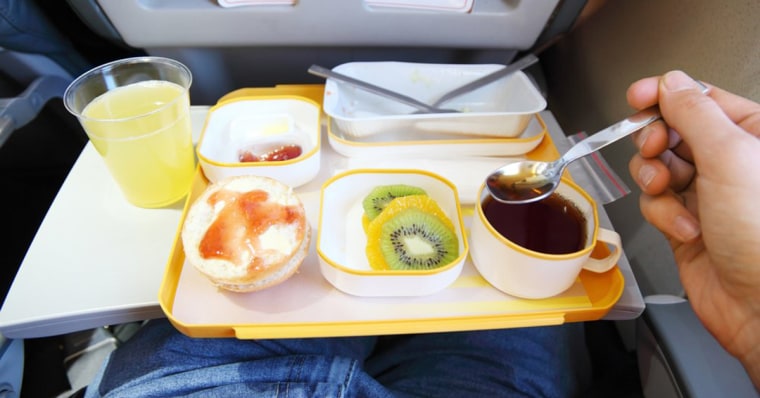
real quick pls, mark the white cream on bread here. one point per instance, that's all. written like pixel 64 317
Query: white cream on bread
pixel 246 233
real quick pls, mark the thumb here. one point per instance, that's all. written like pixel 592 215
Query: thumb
pixel 697 118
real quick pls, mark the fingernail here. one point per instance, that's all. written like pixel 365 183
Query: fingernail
pixel 677 80
pixel 646 174
pixel 673 138
pixel 686 228
pixel 643 135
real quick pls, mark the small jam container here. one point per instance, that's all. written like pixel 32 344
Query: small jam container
pixel 342 238
pixel 274 136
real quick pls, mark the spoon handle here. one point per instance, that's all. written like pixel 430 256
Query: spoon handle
pixel 617 131
pixel 612 133
pixel 383 92
pixel 520 64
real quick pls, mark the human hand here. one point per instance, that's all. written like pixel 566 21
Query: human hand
pixel 699 172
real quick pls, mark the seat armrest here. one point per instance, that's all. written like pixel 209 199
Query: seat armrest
pixel 18 111
pixel 11 367
pixel 679 357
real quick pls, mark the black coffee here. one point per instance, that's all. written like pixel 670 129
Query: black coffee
pixel 553 225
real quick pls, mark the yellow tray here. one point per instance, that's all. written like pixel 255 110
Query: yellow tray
pixel 306 305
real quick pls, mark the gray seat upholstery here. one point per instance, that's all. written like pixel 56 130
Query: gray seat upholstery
pixel 679 358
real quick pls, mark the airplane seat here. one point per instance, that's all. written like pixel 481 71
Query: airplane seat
pixel 35 55
pixel 678 357
pixel 36 64
pixel 11 367
pixel 263 45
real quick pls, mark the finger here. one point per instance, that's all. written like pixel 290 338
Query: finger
pixel 643 93
pixel 657 137
pixel 697 117
pixel 682 150
pixel 674 139
pixel 656 175
pixel 715 140
pixel 667 213
pixel 740 110
pixel 650 174
pixel 682 172
pixel 652 140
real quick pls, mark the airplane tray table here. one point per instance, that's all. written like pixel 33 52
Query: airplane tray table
pixel 306 305
pixel 96 260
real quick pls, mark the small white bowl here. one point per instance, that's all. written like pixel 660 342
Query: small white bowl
pixel 257 125
pixel 341 239
pixel 500 109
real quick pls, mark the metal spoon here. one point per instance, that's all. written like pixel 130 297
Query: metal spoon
pixel 529 181
pixel 520 64
pixel 328 73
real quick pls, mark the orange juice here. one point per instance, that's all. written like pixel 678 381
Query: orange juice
pixel 142 131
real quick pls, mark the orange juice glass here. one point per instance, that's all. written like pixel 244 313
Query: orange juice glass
pixel 136 113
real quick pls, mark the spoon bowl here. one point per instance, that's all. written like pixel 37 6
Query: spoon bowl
pixel 529 181
pixel 523 181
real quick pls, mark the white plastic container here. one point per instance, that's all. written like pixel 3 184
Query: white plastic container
pixel 243 128
pixel 500 109
pixel 341 240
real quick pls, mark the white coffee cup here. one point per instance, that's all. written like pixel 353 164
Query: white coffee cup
pixel 525 273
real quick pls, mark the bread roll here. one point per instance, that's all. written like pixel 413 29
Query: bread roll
pixel 246 233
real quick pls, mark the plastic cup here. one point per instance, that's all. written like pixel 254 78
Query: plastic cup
pixel 136 113
pixel 525 273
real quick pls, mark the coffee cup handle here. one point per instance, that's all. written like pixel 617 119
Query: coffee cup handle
pixel 600 265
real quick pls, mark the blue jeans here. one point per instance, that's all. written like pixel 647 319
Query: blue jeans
pixel 525 362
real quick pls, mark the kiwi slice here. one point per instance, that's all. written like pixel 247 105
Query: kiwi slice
pixel 416 240
pixel 380 196
pixel 422 202
pixel 373 228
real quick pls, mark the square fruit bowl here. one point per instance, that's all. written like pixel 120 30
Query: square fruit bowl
pixel 500 109
pixel 271 136
pixel 372 245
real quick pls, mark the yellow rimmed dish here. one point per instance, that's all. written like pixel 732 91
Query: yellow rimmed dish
pixel 239 128
pixel 409 143
pixel 341 240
